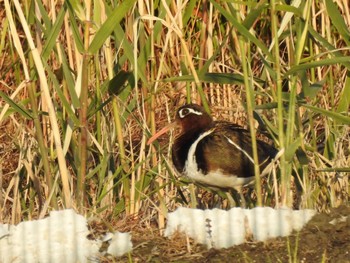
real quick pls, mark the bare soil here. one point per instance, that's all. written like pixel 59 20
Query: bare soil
pixel 318 241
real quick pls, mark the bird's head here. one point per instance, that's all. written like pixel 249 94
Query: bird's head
pixel 188 117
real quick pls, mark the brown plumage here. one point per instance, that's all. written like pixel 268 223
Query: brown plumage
pixel 217 154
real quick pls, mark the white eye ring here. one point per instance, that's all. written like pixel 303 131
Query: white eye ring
pixel 186 111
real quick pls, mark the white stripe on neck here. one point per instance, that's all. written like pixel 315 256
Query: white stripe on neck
pixel 191 166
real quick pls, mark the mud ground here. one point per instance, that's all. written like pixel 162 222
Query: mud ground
pixel 318 241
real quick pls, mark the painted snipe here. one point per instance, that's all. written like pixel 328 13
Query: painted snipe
pixel 216 154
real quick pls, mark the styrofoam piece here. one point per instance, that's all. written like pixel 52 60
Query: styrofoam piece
pixel 222 229
pixel 119 243
pixel 4 231
pixel 61 237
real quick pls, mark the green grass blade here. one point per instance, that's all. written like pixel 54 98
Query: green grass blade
pixel 44 15
pixel 338 20
pixel 254 14
pixel 16 106
pixel 241 29
pixel 323 43
pixel 334 115
pixel 188 12
pixel 291 149
pixel 60 94
pixel 117 84
pixel 75 29
pixel 219 78
pixel 128 49
pixel 53 33
pixel 319 63
pixel 109 25
pixel 70 81
pixel 344 100
pixel 77 9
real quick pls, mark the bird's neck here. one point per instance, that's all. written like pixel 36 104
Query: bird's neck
pixel 182 146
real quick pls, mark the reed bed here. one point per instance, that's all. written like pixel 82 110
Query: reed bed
pixel 83 85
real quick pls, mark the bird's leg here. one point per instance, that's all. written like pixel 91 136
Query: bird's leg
pixel 193 196
pixel 231 201
pixel 242 202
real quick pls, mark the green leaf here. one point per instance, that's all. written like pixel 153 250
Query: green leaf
pixel 338 20
pixel 309 90
pixel 290 9
pixel 241 29
pixel 64 101
pixel 77 9
pixel 312 90
pixel 291 149
pixel 97 12
pixel 119 35
pixel 264 125
pixel 53 34
pixel 44 16
pixel 219 78
pixel 16 106
pixel 323 43
pixel 187 14
pixel 75 29
pixel 266 106
pixel 117 84
pixel 334 115
pixel 93 109
pixel 109 25
pixel 70 81
pixel 254 14
pixel 302 157
pixel 268 67
pixel 344 101
pixel 329 147
pixel 209 62
pixel 319 63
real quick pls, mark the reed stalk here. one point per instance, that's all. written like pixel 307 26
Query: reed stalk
pixel 42 147
pixel 280 106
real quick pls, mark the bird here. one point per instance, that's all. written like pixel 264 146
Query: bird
pixel 216 154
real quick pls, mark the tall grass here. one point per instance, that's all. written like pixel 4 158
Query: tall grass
pixel 86 83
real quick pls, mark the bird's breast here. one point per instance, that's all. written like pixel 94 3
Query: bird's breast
pixel 191 162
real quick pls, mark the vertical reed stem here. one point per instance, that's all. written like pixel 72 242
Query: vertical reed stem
pixel 278 87
pixel 42 147
pixel 83 135
pixel 250 108
pixel 120 141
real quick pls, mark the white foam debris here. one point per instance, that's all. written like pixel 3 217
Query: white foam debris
pixel 61 237
pixel 119 243
pixel 222 229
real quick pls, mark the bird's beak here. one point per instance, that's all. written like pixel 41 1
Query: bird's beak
pixel 162 131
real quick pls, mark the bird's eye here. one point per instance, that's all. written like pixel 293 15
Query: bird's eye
pixel 184 112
